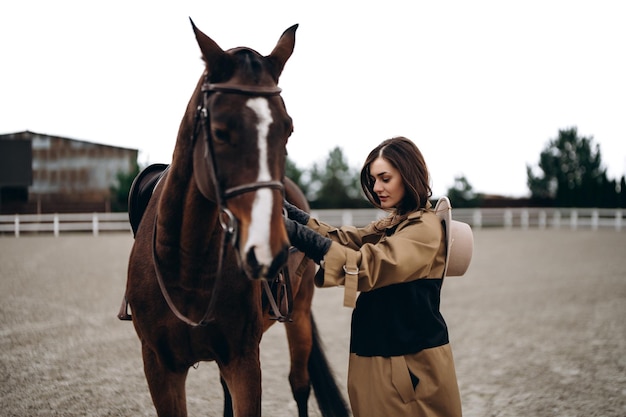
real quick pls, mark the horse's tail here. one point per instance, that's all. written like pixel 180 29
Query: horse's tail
pixel 330 400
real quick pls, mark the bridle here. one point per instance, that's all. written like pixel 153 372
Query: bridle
pixel 226 218
pixel 202 116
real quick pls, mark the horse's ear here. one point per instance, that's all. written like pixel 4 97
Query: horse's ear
pixel 217 61
pixel 282 51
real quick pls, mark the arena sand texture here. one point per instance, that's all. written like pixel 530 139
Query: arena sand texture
pixel 538 328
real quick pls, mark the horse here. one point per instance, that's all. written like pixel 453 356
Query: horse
pixel 211 238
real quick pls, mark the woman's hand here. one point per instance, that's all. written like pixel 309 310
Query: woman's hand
pixel 294 213
pixel 314 245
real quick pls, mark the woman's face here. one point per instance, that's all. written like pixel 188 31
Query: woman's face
pixel 388 184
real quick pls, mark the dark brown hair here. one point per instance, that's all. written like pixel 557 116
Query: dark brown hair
pixel 404 156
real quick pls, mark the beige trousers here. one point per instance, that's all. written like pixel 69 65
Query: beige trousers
pixel 382 387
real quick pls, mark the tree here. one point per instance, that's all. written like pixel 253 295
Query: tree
pixel 119 191
pixel 462 194
pixel 573 175
pixel 296 175
pixel 335 184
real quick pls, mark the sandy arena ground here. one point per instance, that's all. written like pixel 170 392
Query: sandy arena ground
pixel 537 328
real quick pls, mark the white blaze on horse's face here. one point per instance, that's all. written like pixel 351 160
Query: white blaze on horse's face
pixel 259 233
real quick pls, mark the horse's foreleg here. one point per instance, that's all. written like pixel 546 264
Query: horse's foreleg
pixel 242 376
pixel 299 336
pixel 167 387
pixel 228 400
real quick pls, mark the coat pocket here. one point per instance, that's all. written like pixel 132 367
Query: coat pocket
pixel 402 379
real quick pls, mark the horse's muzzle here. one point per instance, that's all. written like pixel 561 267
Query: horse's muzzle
pixel 256 270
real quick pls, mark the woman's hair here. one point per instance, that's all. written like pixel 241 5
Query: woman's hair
pixel 404 156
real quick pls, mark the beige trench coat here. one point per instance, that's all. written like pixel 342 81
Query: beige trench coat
pixel 381 386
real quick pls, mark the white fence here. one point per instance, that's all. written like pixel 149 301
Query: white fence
pixel 522 218
pixel 57 223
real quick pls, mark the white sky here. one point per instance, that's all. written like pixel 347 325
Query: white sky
pixel 480 86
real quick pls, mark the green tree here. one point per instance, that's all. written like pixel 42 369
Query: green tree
pixel 296 175
pixel 462 194
pixel 335 184
pixel 119 191
pixel 572 173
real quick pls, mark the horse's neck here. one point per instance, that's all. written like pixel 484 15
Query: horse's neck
pixel 188 225
pixel 187 236
pixel 181 205
pixel 179 196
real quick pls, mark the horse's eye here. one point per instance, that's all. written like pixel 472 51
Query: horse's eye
pixel 221 134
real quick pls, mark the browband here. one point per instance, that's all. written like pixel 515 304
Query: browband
pixel 253 90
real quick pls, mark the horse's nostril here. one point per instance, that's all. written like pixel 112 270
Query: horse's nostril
pixel 256 269
pixel 253 268
pixel 251 259
pixel 279 261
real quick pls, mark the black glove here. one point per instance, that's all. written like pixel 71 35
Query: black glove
pixel 294 213
pixel 308 241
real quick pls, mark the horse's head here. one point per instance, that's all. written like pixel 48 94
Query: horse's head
pixel 241 134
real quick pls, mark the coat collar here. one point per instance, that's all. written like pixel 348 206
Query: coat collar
pixel 392 221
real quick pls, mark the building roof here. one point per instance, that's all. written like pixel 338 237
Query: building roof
pixel 27 134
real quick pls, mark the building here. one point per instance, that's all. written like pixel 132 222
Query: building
pixel 41 173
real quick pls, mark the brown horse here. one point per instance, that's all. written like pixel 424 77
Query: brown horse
pixel 212 234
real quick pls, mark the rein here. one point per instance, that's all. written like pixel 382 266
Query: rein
pixel 227 220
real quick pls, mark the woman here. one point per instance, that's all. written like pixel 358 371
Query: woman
pixel 400 359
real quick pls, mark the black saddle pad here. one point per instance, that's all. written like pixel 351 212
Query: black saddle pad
pixel 141 191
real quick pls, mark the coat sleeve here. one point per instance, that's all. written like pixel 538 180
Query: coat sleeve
pixel 348 236
pixel 416 250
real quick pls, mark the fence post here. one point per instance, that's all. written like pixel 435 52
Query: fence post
pixel 524 219
pixel 478 219
pixel 594 219
pixel 618 220
pixel 508 218
pixel 346 217
pixel 573 219
pixel 542 219
pixel 56 226
pixel 557 219
pixel 16 223
pixel 94 223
